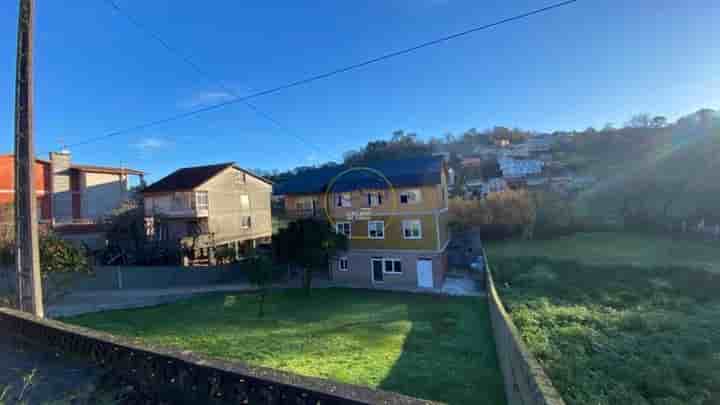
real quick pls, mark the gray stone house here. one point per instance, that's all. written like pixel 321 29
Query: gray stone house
pixel 198 210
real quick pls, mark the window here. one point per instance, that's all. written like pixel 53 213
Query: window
pixel 376 229
pixel 392 266
pixel 201 200
pixel 410 197
pixel 244 202
pixel 343 264
pixel 374 199
pixel 240 178
pixel 343 200
pixel 246 222
pixel 344 228
pixel 412 229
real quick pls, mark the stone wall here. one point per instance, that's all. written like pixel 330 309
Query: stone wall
pixel 181 377
pixel 525 380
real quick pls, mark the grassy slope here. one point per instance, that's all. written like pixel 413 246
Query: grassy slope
pixel 616 248
pixel 610 333
pixel 426 346
pixel 686 168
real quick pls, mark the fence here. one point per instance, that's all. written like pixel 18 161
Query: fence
pixel 135 277
pixel 525 380
pixel 177 377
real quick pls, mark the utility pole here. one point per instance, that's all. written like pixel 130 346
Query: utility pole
pixel 27 254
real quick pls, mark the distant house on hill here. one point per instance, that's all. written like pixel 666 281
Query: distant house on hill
pixel 196 210
pixel 396 222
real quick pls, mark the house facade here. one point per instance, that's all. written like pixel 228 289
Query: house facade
pixel 70 197
pixel 394 213
pixel 197 210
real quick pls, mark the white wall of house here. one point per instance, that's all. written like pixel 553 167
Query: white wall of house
pixel 101 193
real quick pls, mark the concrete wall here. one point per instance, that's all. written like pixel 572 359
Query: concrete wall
pixel 177 377
pixel 226 209
pixel 140 277
pixel 101 193
pixel 360 271
pixel 525 380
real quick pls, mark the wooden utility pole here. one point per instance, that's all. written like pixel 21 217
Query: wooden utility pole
pixel 27 254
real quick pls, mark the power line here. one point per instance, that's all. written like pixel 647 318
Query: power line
pixel 202 72
pixel 321 76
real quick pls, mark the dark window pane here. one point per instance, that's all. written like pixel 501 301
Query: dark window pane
pixel 398 266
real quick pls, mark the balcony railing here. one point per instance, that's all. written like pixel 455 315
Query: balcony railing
pixel 184 205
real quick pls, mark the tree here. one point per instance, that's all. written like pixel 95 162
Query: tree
pixel 261 273
pixel 307 243
pixel 640 121
pixel 659 122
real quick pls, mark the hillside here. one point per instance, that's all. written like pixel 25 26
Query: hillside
pixel 676 181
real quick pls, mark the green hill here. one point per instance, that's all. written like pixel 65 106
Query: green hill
pixel 677 180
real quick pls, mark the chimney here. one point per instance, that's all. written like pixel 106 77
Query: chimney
pixel 61 192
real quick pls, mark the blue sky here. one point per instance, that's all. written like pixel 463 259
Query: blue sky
pixel 590 63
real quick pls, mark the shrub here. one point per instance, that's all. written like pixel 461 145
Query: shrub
pixel 618 334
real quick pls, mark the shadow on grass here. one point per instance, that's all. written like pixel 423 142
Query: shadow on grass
pixel 449 356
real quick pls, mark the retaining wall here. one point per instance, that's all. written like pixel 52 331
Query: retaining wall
pixel 181 377
pixel 525 380
pixel 138 277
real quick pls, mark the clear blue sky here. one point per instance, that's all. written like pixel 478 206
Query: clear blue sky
pixel 587 64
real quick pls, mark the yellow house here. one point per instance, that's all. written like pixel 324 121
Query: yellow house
pixel 394 213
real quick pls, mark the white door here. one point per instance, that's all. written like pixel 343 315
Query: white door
pixel 424 273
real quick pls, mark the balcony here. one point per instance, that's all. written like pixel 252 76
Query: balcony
pixel 180 205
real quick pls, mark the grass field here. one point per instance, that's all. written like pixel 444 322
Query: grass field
pixel 608 332
pixel 432 347
pixel 615 248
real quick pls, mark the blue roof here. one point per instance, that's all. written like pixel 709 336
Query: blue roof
pixel 418 171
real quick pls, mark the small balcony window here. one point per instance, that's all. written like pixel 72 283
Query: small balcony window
pixel 410 197
pixel 343 200
pixel 374 199
pixel 201 200
pixel 246 222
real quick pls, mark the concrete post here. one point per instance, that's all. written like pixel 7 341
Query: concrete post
pixel 27 258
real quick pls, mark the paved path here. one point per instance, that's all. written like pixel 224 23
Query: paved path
pixel 97 301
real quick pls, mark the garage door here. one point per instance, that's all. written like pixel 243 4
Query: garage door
pixel 424 273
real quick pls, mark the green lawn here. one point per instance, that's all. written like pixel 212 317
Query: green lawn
pixel 432 347
pixel 615 248
pixel 620 326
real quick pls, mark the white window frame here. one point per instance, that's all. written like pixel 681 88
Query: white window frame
pixel 343 200
pixel 199 195
pixel 408 224
pixel 391 260
pixel 374 198
pixel 416 200
pixel 382 227
pixel 340 266
pixel 349 226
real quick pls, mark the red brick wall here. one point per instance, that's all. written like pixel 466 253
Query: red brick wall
pixel 42 184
